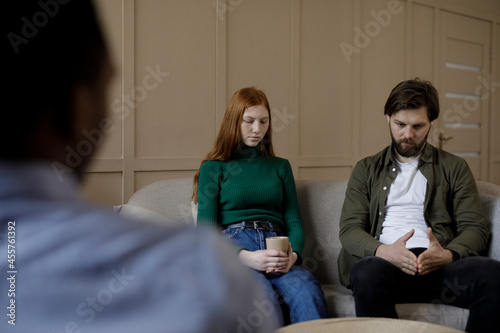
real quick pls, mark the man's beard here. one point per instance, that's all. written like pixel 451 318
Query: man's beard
pixel 408 151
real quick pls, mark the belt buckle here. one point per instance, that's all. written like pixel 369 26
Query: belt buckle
pixel 256 225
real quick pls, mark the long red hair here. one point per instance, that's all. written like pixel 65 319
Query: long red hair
pixel 229 137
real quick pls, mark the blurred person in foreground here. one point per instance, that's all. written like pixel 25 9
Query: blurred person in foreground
pixel 68 266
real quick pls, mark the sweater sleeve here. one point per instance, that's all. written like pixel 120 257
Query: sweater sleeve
pixel 208 194
pixel 291 212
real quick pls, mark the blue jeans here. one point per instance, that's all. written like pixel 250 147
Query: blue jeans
pixel 297 292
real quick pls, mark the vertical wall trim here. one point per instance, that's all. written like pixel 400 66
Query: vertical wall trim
pixel 295 85
pixel 356 88
pixel 220 63
pixel 487 104
pixel 128 70
pixel 408 40
pixel 439 38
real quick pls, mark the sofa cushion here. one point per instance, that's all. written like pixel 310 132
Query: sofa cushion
pixel 170 197
pixel 140 213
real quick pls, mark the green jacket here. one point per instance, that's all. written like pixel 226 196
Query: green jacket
pixel 452 207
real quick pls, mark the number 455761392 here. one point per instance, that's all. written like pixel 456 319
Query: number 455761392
pixel 11 249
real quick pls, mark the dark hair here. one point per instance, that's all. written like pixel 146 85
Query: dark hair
pixel 413 94
pixel 51 46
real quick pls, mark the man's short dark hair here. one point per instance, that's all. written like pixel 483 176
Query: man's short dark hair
pixel 51 45
pixel 413 94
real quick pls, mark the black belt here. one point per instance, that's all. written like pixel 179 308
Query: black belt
pixel 262 225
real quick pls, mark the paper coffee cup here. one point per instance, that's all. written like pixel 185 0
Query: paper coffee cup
pixel 279 243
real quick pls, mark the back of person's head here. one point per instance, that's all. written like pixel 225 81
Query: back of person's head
pixel 411 95
pixel 51 46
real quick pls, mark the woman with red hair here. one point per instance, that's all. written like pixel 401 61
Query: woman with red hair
pixel 244 188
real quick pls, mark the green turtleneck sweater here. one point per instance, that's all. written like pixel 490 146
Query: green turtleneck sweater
pixel 250 187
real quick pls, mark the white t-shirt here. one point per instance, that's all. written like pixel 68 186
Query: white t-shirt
pixel 404 209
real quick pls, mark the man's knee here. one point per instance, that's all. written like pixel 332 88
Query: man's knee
pixel 370 269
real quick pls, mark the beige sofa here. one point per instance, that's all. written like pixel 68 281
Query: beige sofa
pixel 320 202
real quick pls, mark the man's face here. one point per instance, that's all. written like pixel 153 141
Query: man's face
pixel 409 131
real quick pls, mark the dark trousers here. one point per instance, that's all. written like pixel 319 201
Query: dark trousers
pixel 472 283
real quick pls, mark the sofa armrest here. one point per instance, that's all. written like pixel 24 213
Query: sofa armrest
pixel 491 208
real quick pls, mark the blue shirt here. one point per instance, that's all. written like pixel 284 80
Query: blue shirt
pixel 80 268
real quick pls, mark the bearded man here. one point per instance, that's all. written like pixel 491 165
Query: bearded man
pixel 412 222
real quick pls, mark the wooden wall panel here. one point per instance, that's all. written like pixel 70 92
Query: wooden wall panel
pixel 259 54
pixel 423 31
pixel 176 41
pixel 326 114
pixel 382 67
pixel 326 66
pixel 103 187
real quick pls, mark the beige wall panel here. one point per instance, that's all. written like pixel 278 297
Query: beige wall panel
pixel 464 140
pixel 103 187
pixel 495 173
pixel 464 28
pixel 259 54
pixel 382 67
pixel 455 53
pixel 175 113
pixel 422 53
pixel 143 178
pixel 327 105
pixel 329 173
pixel 462 81
pixel 460 110
pixel 110 13
pixel 481 6
pixel 326 114
pixel 475 166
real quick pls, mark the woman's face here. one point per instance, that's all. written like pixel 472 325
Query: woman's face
pixel 254 125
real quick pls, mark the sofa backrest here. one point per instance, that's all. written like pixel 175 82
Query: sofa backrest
pixel 320 207
pixel 170 197
pixel 320 204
